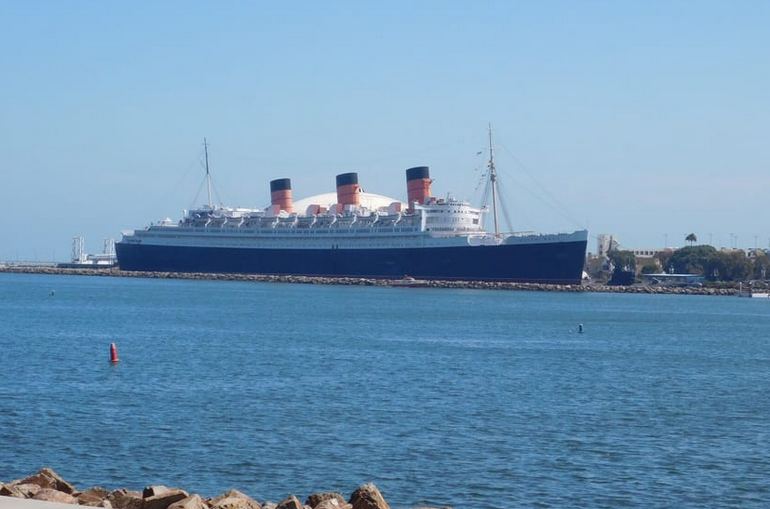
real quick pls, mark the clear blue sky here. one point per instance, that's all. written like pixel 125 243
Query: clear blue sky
pixel 634 118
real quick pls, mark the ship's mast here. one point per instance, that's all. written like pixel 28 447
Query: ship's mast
pixel 208 174
pixel 493 180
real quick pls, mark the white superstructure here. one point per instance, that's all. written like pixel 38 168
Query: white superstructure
pixel 447 222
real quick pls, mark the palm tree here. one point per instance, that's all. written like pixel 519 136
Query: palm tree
pixel 691 238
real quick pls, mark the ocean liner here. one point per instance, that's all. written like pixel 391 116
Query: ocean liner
pixel 356 234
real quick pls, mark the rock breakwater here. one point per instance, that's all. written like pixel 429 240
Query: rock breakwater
pixel 354 281
pixel 48 486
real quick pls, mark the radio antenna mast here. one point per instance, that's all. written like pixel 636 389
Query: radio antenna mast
pixel 208 174
pixel 493 180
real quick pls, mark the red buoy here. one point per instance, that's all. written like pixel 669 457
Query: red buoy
pixel 113 353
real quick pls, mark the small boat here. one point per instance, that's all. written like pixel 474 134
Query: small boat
pixel 408 282
pixel 750 293
pixel 754 295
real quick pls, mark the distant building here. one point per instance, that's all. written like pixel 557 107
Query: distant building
pixel 604 244
pixel 644 255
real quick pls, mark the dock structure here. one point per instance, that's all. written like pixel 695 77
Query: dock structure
pixel 674 279
pixel 82 260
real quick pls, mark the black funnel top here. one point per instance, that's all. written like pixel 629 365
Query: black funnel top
pixel 418 172
pixel 346 179
pixel 280 185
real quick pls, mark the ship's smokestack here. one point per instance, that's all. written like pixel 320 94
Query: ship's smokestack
pixel 417 185
pixel 348 189
pixel 280 195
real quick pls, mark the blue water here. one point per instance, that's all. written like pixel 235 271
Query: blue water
pixel 467 398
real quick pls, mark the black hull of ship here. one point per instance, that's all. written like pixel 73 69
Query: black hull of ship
pixel 557 263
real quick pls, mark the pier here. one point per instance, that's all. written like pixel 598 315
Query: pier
pixel 356 281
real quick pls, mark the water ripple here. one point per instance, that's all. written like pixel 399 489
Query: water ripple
pixel 469 399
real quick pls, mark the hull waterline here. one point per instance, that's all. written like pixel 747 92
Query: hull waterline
pixel 557 263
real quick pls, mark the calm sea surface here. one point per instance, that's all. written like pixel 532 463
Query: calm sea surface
pixel 459 397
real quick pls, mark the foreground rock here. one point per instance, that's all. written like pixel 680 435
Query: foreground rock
pixel 316 498
pixel 51 495
pixel 333 503
pixel 46 485
pixel 19 490
pixel 155 490
pixel 125 499
pixel 290 502
pixel 368 497
pixel 94 497
pixel 164 499
pixel 234 499
pixel 191 502
pixel 48 479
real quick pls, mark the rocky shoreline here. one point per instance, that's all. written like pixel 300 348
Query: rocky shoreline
pixel 348 281
pixel 47 486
